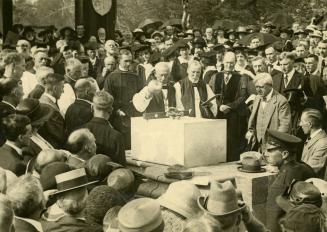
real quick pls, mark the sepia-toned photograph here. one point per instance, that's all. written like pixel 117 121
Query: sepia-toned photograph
pixel 163 116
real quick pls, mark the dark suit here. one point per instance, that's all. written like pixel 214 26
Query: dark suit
pixel 78 114
pixel 96 69
pixel 37 92
pixel 289 171
pixel 24 226
pixel 109 141
pixel 68 224
pixel 298 81
pixel 11 160
pixel 233 94
pixel 54 129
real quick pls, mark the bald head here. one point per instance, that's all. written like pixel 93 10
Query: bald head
pixel 48 156
pixel 162 72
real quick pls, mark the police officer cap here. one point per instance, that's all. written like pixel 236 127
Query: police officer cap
pixel 281 139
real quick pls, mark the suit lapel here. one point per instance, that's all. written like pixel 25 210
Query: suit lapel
pixel 277 82
pixel 45 100
pixel 270 107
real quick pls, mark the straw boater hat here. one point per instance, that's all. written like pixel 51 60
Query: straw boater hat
pixel 181 197
pixel 222 200
pixel 71 180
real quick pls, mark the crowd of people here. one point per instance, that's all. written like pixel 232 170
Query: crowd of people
pixel 67 99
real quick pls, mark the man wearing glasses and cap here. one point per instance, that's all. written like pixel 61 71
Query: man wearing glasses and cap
pixel 281 151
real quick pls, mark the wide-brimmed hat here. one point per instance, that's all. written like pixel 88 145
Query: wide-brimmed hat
pixel 320 184
pixel 251 165
pixel 157 33
pixel 221 201
pixel 316 33
pixel 181 197
pixel 140 215
pixel 298 193
pixel 242 30
pixel 138 32
pixel 36 111
pixel 72 180
pixel 62 31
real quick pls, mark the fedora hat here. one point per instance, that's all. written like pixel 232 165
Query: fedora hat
pixel 251 165
pixel 140 215
pixel 36 111
pixel 221 201
pixel 71 180
pixel 181 197
pixel 298 193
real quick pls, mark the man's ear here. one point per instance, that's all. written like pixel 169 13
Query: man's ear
pixel 285 154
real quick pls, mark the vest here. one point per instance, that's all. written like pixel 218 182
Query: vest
pixel 261 118
pixel 188 94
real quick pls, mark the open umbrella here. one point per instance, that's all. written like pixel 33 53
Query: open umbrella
pixel 225 24
pixel 282 19
pixel 149 23
pixel 173 22
pixel 265 39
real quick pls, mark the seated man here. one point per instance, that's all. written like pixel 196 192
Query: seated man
pixel 159 94
pixel 26 196
pixel 192 91
pixel 18 132
pixel 82 144
pixel 108 141
pixel 315 148
pixel 281 152
pixel 71 201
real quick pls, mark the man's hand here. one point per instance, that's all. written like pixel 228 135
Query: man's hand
pixel 225 109
pixel 250 137
pixel 154 86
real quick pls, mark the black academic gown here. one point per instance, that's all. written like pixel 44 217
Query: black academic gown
pixel 233 94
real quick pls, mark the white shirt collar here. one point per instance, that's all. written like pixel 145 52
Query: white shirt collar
pixel 8 103
pixel 290 74
pixel 52 98
pixel 314 134
pixel 268 97
pixel 34 223
pixel 13 146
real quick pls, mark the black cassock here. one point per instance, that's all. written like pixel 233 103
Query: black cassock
pixel 122 86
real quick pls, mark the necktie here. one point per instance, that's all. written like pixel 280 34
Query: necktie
pixel 195 84
pixel 308 139
pixel 285 80
pixel 226 78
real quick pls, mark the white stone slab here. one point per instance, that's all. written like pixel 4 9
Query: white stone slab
pixel 188 141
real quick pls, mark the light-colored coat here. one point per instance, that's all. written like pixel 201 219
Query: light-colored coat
pixel 278 114
pixel 315 153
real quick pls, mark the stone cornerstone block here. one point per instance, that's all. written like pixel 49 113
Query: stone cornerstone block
pixel 187 141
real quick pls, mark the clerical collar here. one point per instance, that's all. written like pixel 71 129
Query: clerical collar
pixel 52 98
pixel 8 103
pixel 13 146
pixel 123 70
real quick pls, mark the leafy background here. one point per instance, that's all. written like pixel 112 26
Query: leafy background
pixel 204 12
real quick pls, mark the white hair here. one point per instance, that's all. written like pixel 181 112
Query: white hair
pixel 161 65
pixel 263 78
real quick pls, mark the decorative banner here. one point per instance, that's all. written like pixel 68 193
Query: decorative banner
pixel 102 7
